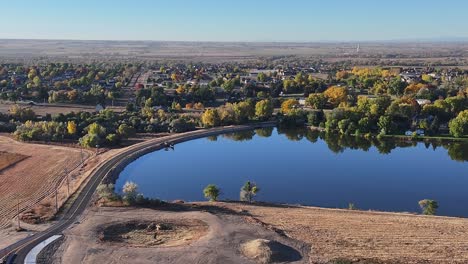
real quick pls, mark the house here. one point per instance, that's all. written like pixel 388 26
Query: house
pixel 422 102
pixel 420 132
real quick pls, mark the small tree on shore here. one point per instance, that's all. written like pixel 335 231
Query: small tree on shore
pixel 248 191
pixel 211 192
pixel 130 191
pixel 428 207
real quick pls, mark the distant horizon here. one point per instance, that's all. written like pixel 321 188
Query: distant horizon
pixel 295 21
pixel 422 40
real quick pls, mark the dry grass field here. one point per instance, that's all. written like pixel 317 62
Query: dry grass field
pixel 8 159
pixel 32 177
pixel 358 235
pixel 54 109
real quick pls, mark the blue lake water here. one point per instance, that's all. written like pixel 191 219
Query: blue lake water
pixel 304 167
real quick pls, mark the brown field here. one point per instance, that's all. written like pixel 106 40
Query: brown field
pixel 54 109
pixel 8 159
pixel 33 178
pixel 358 235
pixel 425 52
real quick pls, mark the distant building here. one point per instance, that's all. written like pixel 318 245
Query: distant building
pixel 423 101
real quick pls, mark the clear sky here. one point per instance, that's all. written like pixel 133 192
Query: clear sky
pixel 234 20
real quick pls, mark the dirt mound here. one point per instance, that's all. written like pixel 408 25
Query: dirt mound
pixel 267 251
pixel 154 234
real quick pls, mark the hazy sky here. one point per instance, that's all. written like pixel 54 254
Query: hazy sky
pixel 234 20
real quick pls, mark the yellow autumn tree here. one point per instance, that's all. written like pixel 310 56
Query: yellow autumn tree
pixel 342 75
pixel 288 105
pixel 71 127
pixel 414 88
pixel 210 118
pixel 180 90
pixel 336 95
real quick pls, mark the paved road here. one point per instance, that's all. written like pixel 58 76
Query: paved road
pixel 21 248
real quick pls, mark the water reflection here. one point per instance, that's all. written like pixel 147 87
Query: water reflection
pixel 338 143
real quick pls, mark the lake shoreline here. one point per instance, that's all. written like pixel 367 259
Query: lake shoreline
pixel 401 137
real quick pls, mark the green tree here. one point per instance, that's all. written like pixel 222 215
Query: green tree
pixel 428 207
pixel 96 129
pixel 125 131
pixel 459 125
pixel 37 81
pixel 248 191
pixel 264 109
pixel 211 192
pixel 261 77
pixel 316 100
pixel 385 125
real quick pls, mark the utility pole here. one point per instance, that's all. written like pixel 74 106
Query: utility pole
pixel 68 182
pixel 56 198
pixel 18 213
pixel 81 154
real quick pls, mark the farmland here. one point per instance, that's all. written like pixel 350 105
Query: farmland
pixel 37 170
pixel 8 159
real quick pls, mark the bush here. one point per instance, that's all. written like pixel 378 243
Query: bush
pixel 106 191
pixel 180 125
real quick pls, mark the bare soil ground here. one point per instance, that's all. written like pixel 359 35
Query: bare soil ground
pixel 221 244
pixel 165 233
pixel 315 235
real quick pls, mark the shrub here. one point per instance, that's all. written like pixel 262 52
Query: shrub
pixel 106 191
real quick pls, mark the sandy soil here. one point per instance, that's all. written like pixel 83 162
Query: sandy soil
pixel 354 235
pixel 227 230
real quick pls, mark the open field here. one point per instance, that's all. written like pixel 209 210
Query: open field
pixel 32 178
pixel 8 159
pixel 388 237
pixel 53 109
pixel 453 53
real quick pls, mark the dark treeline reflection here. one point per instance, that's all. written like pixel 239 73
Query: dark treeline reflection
pixel 340 142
